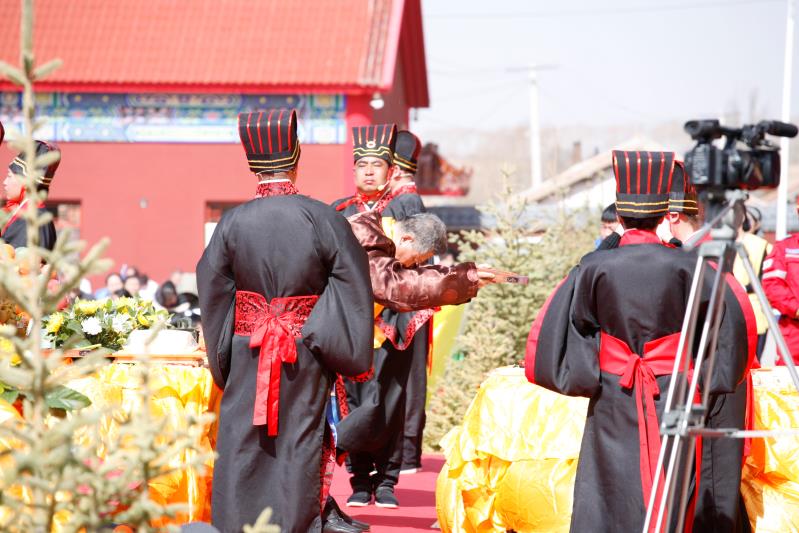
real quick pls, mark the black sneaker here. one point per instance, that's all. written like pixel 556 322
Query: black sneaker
pixel 384 497
pixel 359 498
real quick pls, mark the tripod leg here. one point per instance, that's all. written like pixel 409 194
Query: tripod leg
pixel 773 326
pixel 675 395
pixel 707 349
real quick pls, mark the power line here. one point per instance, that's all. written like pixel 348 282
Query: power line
pixel 600 11
pixel 478 90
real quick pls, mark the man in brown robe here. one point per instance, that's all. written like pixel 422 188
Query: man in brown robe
pixel 367 432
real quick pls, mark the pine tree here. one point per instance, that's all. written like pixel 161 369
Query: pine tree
pixel 56 464
pixel 499 319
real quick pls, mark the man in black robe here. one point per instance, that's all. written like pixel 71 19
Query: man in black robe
pixel 286 305
pixel 719 503
pixel 368 447
pixel 609 332
pixel 416 326
pixel 15 229
pixel 370 430
pixel 379 441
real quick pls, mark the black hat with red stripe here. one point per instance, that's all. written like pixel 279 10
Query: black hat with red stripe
pixel 406 153
pixel 643 182
pixel 682 197
pixel 270 140
pixel 20 167
pixel 376 141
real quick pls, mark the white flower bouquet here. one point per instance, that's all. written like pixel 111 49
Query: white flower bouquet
pixel 101 322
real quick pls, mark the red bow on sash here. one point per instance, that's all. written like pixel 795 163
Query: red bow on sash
pixel 277 346
pixel 639 373
pixel 273 328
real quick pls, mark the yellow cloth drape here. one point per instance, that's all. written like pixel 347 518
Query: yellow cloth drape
pixel 512 463
pixel 770 484
pixel 176 392
pixel 446 325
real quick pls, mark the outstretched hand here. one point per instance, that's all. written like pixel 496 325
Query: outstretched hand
pixel 485 275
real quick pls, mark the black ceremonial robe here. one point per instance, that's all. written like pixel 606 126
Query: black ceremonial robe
pixel 16 233
pixel 386 407
pixel 281 246
pixel 719 504
pixel 408 453
pixel 636 294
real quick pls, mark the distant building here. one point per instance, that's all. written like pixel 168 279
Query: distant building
pixel 588 183
pixel 145 105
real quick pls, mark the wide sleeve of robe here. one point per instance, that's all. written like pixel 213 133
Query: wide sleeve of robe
pixel 737 340
pixel 217 291
pixel 403 206
pixel 562 349
pixel 410 289
pixel 16 235
pixel 340 328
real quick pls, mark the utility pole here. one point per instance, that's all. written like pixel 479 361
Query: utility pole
pixel 787 73
pixel 536 172
pixel 535 131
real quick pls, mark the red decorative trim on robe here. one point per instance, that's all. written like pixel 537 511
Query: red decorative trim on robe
pixel 414 324
pixel 273 328
pixel 639 372
pixel 535 332
pixel 275 188
pixel 361 200
pixel 639 236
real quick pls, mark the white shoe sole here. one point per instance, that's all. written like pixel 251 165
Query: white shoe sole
pixel 357 504
pixel 387 505
pixel 409 471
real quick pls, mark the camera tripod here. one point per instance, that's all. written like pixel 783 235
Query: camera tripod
pixel 683 420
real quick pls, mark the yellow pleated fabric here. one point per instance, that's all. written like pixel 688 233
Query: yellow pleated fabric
pixel 512 463
pixel 176 392
pixel 446 325
pixel 770 483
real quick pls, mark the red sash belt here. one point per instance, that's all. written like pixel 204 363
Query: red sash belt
pixel 638 373
pixel 273 327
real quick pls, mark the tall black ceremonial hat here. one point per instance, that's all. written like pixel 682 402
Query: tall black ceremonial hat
pixel 18 165
pixel 270 139
pixel 682 197
pixel 377 141
pixel 406 153
pixel 643 182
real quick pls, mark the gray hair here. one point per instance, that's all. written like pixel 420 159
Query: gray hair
pixel 429 232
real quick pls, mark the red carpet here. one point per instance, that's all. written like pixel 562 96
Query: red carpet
pixel 416 494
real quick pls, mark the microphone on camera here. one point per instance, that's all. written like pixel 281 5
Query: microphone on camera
pixel 780 129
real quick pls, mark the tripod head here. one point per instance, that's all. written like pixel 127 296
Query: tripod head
pixel 725 211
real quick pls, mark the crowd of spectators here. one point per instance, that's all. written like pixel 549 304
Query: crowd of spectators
pixel 178 294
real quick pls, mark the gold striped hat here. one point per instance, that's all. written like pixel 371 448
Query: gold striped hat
pixel 376 141
pixel 406 153
pixel 682 197
pixel 643 182
pixel 18 165
pixel 270 139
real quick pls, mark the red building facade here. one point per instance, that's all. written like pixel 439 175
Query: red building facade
pixel 144 108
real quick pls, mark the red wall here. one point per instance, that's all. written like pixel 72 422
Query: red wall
pixel 176 180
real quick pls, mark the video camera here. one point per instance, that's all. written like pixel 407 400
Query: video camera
pixel 747 161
